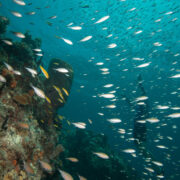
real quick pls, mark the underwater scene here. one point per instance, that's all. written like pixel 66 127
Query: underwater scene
pixel 89 90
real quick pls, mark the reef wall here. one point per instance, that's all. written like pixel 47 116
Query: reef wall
pixel 28 135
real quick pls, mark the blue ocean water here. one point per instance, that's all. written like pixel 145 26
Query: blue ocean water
pixel 137 38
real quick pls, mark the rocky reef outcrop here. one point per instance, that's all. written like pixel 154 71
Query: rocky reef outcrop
pixel 62 81
pixel 29 139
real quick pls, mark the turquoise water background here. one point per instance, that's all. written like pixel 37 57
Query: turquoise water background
pixel 84 102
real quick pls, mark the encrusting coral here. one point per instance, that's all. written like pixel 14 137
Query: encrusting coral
pixel 23 99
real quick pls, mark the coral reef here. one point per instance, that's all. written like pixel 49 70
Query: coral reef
pixel 22 137
pixel 32 43
pixel 28 137
pixel 10 78
pixel 23 99
pixel 22 52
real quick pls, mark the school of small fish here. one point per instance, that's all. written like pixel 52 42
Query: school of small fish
pixel 122 50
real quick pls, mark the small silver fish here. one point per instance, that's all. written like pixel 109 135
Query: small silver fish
pixel 67 41
pixel 72 159
pixel 19 34
pixel 46 166
pixel 141 98
pixel 174 115
pixel 112 45
pixel 75 27
pixel 52 17
pixel 39 54
pixel 114 120
pixel 7 42
pixel 32 71
pixel 39 92
pixel 175 76
pixel 2 79
pixel 129 151
pixel 17 14
pixel 82 178
pixel 10 68
pixel 144 65
pixel 20 2
pixel 17 72
pixel 86 38
pixel 31 13
pixel 65 175
pixel 152 120
pixel 37 50
pixel 102 19
pixel 62 70
pixel 80 125
pixel 107 95
pixel 157 163
pixel 101 155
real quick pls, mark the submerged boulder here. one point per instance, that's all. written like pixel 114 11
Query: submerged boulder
pixel 58 84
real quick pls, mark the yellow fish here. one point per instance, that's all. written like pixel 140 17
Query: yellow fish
pixel 42 121
pixel 68 123
pixel 60 100
pixel 44 72
pixel 59 92
pixel 60 117
pixel 47 99
pixel 56 63
pixel 65 91
pixel 55 125
pixel 62 97
pixel 56 88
